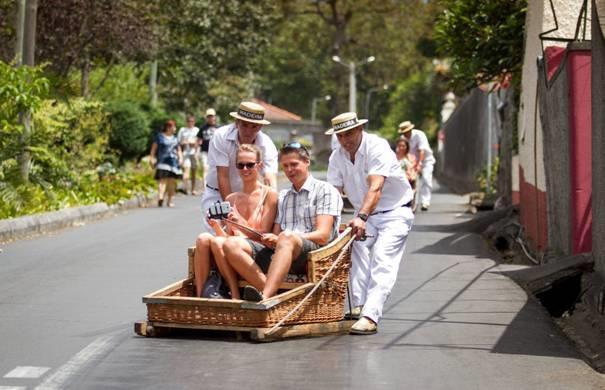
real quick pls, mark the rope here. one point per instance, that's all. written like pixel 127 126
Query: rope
pixel 320 283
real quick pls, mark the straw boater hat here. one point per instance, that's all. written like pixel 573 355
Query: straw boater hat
pixel 406 126
pixel 250 112
pixel 344 122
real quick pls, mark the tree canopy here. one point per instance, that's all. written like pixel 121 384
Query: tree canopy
pixel 483 39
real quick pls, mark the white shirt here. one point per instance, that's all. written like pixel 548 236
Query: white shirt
pixel 418 142
pixel 187 136
pixel 374 157
pixel 222 152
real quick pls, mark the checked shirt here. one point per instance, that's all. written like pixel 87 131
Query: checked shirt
pixel 298 211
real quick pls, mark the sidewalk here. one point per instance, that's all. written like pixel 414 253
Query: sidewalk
pixel 475 327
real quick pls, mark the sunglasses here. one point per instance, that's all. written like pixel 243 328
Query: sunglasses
pixel 294 145
pixel 249 165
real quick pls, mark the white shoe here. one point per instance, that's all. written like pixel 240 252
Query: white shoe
pixel 354 314
pixel 364 326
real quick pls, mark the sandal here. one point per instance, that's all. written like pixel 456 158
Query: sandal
pixel 252 294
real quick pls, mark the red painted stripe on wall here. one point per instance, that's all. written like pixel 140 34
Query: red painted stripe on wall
pixel 580 142
pixel 532 209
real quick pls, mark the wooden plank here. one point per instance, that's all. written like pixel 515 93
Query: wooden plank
pixel 303 330
pixel 157 328
pixel 270 302
pixel 194 301
pixel 169 289
pixel 283 286
pixel 190 257
pixel 202 327
pixel 332 247
pixel 140 328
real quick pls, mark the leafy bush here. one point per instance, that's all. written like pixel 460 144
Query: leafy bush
pixel 129 130
pixel 22 89
pixel 90 188
pixel 69 138
pixel 493 178
pixel 126 82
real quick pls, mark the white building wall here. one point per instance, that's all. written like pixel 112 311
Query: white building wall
pixel 539 19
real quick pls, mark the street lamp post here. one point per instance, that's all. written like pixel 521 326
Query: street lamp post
pixel 368 97
pixel 352 79
pixel 314 105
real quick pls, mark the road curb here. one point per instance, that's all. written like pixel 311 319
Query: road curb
pixel 37 224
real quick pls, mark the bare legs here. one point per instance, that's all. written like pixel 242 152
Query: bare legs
pixel 189 175
pixel 193 174
pixel 288 248
pixel 223 266
pixel 170 188
pixel 201 261
pixel 207 249
pixel 166 188
pixel 161 191
pixel 238 255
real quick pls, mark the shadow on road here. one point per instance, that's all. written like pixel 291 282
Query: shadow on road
pixel 469 290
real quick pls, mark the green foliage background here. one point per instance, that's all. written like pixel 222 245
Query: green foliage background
pixel 91 102
pixel 493 39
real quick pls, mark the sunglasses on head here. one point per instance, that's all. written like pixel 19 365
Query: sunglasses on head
pixel 249 165
pixel 293 145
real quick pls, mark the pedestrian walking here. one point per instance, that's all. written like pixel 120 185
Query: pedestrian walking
pixel 187 137
pixel 204 136
pixel 223 177
pixel 367 170
pixel 420 148
pixel 165 156
pixel 407 161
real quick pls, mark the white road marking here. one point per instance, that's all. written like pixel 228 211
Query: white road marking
pixel 62 375
pixel 12 388
pixel 27 372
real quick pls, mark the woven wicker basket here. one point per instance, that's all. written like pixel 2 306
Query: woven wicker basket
pixel 175 304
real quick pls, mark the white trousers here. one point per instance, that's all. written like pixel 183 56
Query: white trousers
pixel 209 197
pixel 426 184
pixel 375 262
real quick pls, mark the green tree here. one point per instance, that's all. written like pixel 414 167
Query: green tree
pixel 492 51
pixel 483 39
pixel 311 32
pixel 208 42
pixel 417 99
pixel 83 34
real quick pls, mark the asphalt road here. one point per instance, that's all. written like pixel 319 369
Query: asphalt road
pixel 68 302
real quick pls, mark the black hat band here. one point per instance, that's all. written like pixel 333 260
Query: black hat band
pixel 250 115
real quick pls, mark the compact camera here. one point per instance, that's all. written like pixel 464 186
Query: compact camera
pixel 219 210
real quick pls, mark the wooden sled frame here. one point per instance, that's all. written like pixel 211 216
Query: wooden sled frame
pixel 174 306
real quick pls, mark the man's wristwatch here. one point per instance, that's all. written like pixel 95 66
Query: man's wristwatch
pixel 363 216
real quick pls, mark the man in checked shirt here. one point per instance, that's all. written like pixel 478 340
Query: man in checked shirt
pixel 308 217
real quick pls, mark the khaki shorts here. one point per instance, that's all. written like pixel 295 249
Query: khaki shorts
pixel 190 161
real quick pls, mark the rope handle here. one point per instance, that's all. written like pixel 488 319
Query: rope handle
pixel 320 283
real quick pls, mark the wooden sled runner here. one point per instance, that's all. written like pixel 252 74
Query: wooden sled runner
pixel 308 308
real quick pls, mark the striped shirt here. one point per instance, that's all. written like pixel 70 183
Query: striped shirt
pixel 298 211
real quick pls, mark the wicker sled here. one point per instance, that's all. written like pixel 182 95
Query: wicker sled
pixel 175 306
